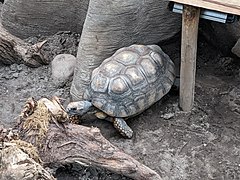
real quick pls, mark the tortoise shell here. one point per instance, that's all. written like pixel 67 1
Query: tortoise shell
pixel 131 80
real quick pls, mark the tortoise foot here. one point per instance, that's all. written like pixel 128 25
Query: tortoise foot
pixel 122 127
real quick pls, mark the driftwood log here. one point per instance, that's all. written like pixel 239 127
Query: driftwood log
pixel 84 145
pixel 15 50
pixel 52 143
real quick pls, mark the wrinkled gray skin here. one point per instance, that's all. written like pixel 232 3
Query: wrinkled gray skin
pixel 25 18
pixel 108 26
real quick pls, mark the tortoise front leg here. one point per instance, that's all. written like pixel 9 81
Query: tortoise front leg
pixel 121 125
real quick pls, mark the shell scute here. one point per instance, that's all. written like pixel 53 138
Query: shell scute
pixel 150 69
pixel 157 58
pixel 127 57
pixel 111 69
pixel 118 85
pixel 134 75
pixel 99 83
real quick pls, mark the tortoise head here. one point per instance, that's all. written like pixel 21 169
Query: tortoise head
pixel 78 108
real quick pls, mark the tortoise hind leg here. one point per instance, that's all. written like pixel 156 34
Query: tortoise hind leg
pixel 122 127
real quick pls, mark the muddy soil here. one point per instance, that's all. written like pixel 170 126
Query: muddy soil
pixel 201 144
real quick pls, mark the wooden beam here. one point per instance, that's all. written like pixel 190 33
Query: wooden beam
pixel 190 20
pixel 227 6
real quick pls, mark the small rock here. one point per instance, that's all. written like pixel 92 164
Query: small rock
pixel 59 92
pixel 13 67
pixel 46 79
pixel 1 69
pixel 19 67
pixel 168 116
pixel 88 174
pixel 6 76
pixel 62 69
pixel 7 68
pixel 15 75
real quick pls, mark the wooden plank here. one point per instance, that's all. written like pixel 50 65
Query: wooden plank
pixel 227 6
pixel 190 20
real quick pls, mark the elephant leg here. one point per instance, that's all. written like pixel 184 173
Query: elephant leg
pixel 113 24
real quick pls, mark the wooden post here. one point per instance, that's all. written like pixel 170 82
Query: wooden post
pixel 190 20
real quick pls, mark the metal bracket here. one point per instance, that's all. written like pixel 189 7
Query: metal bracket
pixel 206 14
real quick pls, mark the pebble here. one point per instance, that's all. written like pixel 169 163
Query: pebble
pixel 19 67
pixel 1 69
pixel 7 68
pixel 58 93
pixel 6 76
pixel 15 75
pixel 13 67
pixel 168 116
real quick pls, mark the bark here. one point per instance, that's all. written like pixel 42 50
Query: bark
pixel 15 50
pixel 113 24
pixel 16 164
pixel 84 145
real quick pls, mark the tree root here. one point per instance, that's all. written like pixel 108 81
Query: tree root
pixel 15 50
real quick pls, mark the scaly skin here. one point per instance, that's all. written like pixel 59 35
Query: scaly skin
pixel 122 127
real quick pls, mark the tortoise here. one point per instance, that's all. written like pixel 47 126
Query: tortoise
pixel 126 84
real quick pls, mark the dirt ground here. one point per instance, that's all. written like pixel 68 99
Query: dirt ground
pixel 202 144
